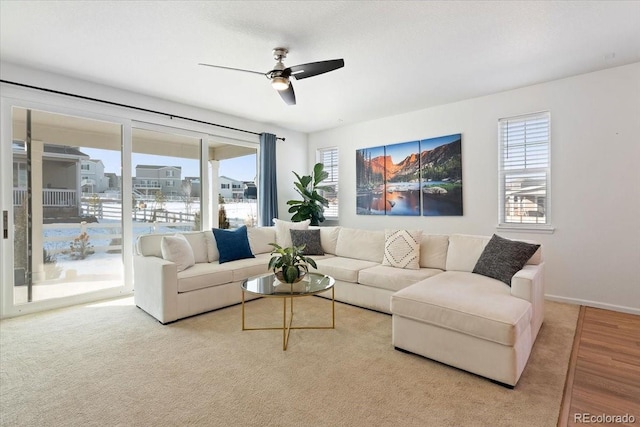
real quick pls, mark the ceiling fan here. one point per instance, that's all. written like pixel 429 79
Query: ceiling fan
pixel 280 75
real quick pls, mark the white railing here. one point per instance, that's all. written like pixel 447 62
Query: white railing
pixel 59 197
pixel 19 194
pixel 50 197
pixel 114 211
pixel 148 186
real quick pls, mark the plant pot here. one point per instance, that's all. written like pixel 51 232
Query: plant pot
pixel 280 277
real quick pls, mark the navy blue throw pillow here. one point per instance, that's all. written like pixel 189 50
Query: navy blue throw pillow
pixel 232 244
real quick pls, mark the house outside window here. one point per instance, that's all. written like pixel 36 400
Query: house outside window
pixel 329 158
pixel 170 174
pixel 524 171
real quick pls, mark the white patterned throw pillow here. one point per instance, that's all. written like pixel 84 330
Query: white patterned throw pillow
pixel 402 248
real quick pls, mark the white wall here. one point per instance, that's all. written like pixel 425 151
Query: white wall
pixel 593 257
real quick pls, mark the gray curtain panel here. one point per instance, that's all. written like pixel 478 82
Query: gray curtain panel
pixel 267 188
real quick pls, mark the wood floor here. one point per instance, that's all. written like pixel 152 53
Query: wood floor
pixel 604 370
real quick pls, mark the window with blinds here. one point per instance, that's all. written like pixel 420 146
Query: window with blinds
pixel 329 158
pixel 524 170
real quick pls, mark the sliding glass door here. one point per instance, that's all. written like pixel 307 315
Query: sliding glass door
pixel 78 186
pixel 66 206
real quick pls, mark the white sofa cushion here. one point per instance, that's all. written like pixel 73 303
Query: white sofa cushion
pixel 203 275
pixel 198 245
pixel 468 303
pixel 402 248
pixel 361 244
pixel 177 250
pixel 243 269
pixel 212 247
pixel 259 239
pixel 464 251
pixel 392 278
pixel 344 269
pixel 150 245
pixel 283 234
pixel 328 238
pixel 433 251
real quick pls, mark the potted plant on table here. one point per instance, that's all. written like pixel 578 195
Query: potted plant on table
pixel 312 204
pixel 289 264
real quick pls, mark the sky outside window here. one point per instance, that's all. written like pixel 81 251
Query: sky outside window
pixel 240 168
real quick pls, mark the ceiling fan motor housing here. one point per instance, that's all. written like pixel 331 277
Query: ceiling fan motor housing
pixel 279 79
pixel 280 53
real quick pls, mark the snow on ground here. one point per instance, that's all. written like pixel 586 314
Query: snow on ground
pixel 57 239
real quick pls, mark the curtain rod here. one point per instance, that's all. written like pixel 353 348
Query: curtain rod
pixel 172 116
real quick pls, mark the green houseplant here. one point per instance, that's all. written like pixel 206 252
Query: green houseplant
pixel 289 264
pixel 312 204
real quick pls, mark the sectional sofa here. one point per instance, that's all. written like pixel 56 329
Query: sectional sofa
pixel 440 308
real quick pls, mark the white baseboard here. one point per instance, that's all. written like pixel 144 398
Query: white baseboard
pixel 596 304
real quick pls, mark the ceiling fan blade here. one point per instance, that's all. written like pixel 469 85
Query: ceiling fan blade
pixel 311 69
pixel 288 95
pixel 234 69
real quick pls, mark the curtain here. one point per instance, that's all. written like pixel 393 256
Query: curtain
pixel 267 184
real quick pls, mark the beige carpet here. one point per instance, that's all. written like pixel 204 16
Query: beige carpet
pixel 112 364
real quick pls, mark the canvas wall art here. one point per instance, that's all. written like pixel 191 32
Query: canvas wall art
pixel 411 178
pixel 370 179
pixel 441 175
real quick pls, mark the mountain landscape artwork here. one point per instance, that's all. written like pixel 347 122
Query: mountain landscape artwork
pixel 370 181
pixel 411 178
pixel 441 175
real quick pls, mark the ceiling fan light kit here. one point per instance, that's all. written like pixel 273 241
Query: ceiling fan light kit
pixel 280 83
pixel 280 75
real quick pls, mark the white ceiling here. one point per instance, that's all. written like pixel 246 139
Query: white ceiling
pixel 399 56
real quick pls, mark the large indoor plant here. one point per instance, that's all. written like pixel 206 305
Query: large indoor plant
pixel 289 264
pixel 312 204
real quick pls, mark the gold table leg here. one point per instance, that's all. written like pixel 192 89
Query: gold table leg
pixel 286 328
pixel 243 311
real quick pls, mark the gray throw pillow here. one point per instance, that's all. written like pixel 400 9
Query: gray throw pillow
pixel 502 258
pixel 310 238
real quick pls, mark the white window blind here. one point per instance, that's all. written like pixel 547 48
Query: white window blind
pixel 329 158
pixel 524 170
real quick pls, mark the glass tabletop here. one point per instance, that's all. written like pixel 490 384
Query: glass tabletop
pixel 268 285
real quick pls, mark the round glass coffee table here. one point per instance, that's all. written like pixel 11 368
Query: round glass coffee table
pixel 268 286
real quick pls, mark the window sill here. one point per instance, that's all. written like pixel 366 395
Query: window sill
pixel 515 228
pixel 330 221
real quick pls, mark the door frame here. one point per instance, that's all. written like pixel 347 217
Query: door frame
pixel 8 308
pixel 35 99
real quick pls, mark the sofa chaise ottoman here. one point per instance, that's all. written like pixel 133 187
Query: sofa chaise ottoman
pixel 470 321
